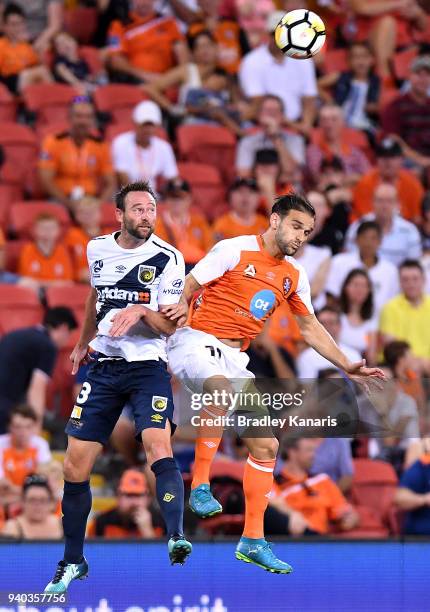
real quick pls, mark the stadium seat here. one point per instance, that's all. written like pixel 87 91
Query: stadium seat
pixel 19 307
pixel 72 296
pixel 402 62
pixel 92 56
pixel 8 193
pixel 23 214
pixel 102 504
pixel 21 148
pixel 12 250
pixel 208 144
pixel 206 184
pixel 49 101
pixel 81 23
pixel 7 104
pixel 335 60
pixel 387 96
pixel 118 100
pixel 354 137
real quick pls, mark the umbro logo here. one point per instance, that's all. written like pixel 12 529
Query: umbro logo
pixel 120 269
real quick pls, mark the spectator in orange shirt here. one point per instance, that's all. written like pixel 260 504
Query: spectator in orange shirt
pixel 134 516
pixel 389 170
pixel 242 219
pixel 232 40
pixel 77 163
pixel 21 451
pixel 19 63
pixel 181 225
pixel 146 47
pixel 88 216
pixel 46 259
pixel 304 504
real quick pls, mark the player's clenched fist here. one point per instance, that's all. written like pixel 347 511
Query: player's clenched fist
pixel 176 312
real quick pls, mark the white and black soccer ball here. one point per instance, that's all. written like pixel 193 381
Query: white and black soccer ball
pixel 300 34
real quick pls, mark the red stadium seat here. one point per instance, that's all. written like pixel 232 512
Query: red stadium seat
pixel 8 194
pixel 212 145
pixel 207 187
pixel 23 214
pixel 7 104
pixel 74 297
pixel 118 100
pixel 92 56
pixel 81 23
pixel 12 251
pixel 20 146
pixel 335 60
pixel 402 62
pixel 50 101
pixel 19 307
pixel 387 96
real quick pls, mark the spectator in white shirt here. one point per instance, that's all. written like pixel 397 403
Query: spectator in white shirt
pixel 140 155
pixel 271 135
pixel 382 273
pixel 358 325
pixel 309 363
pixel 400 238
pixel 266 70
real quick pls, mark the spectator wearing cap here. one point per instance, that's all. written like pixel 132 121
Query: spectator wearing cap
pixel 266 70
pixel 76 162
pixel 37 520
pixel 408 116
pixel 242 218
pixel 134 515
pixel 406 317
pixel 181 225
pixel 332 143
pixel 144 45
pixel 382 273
pixel 400 238
pixel 270 135
pixel 140 154
pixel 22 450
pixel 27 360
pixel 389 170
pixel 413 497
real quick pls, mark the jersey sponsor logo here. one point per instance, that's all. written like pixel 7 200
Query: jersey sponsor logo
pixel 159 403
pixel 172 291
pixel 157 418
pixel 262 303
pixel 250 271
pixel 177 284
pixel 113 293
pixel 120 269
pixel 76 412
pixel 76 423
pixel 287 285
pixel 146 274
pixel 97 266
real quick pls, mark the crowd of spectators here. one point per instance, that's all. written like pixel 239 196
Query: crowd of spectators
pixel 350 129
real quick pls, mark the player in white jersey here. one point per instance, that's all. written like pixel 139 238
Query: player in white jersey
pixel 133 275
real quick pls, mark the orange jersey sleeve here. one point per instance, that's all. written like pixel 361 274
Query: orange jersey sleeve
pixel 243 285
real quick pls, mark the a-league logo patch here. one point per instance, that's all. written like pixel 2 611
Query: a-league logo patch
pixel 146 274
pixel 159 403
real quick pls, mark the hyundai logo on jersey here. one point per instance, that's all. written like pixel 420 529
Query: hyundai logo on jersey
pixel 262 303
pixel 177 284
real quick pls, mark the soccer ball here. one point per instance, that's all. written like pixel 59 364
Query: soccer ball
pixel 300 34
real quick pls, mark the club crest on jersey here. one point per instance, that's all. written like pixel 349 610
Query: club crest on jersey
pixel 250 271
pixel 287 285
pixel 146 274
pixel 159 403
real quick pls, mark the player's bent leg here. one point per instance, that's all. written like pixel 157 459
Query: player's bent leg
pixel 169 490
pixel 257 485
pixel 76 506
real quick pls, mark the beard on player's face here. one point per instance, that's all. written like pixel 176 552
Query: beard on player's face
pixel 141 230
pixel 287 246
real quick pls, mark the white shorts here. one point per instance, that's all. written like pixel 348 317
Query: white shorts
pixel 194 356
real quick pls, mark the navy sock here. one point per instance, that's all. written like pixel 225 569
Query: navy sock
pixel 76 507
pixel 170 494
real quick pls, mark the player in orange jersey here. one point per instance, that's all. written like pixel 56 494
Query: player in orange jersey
pixel 245 279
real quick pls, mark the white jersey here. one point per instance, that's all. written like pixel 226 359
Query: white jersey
pixel 151 275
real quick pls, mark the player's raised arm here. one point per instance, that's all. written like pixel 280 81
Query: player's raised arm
pixel 89 328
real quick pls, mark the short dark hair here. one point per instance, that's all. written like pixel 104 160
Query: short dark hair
pixel 137 186
pixel 23 410
pixel 60 315
pixel 36 480
pixel 411 263
pixel 13 9
pixel 365 226
pixel 192 39
pixel 366 310
pixel 363 44
pixel 292 201
pixel 330 309
pixel 278 99
pixel 394 351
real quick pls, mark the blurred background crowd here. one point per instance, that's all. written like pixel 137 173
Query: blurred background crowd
pixel 194 96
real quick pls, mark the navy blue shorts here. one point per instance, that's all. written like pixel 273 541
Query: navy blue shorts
pixel 109 385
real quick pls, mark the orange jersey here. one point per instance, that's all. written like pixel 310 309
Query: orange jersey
pixel 16 464
pixel 75 166
pixel 317 498
pixel 147 43
pixel 193 240
pixel 284 329
pixel 230 226
pixel 37 265
pixel 243 285
pixel 228 36
pixel 76 241
pixel 15 57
